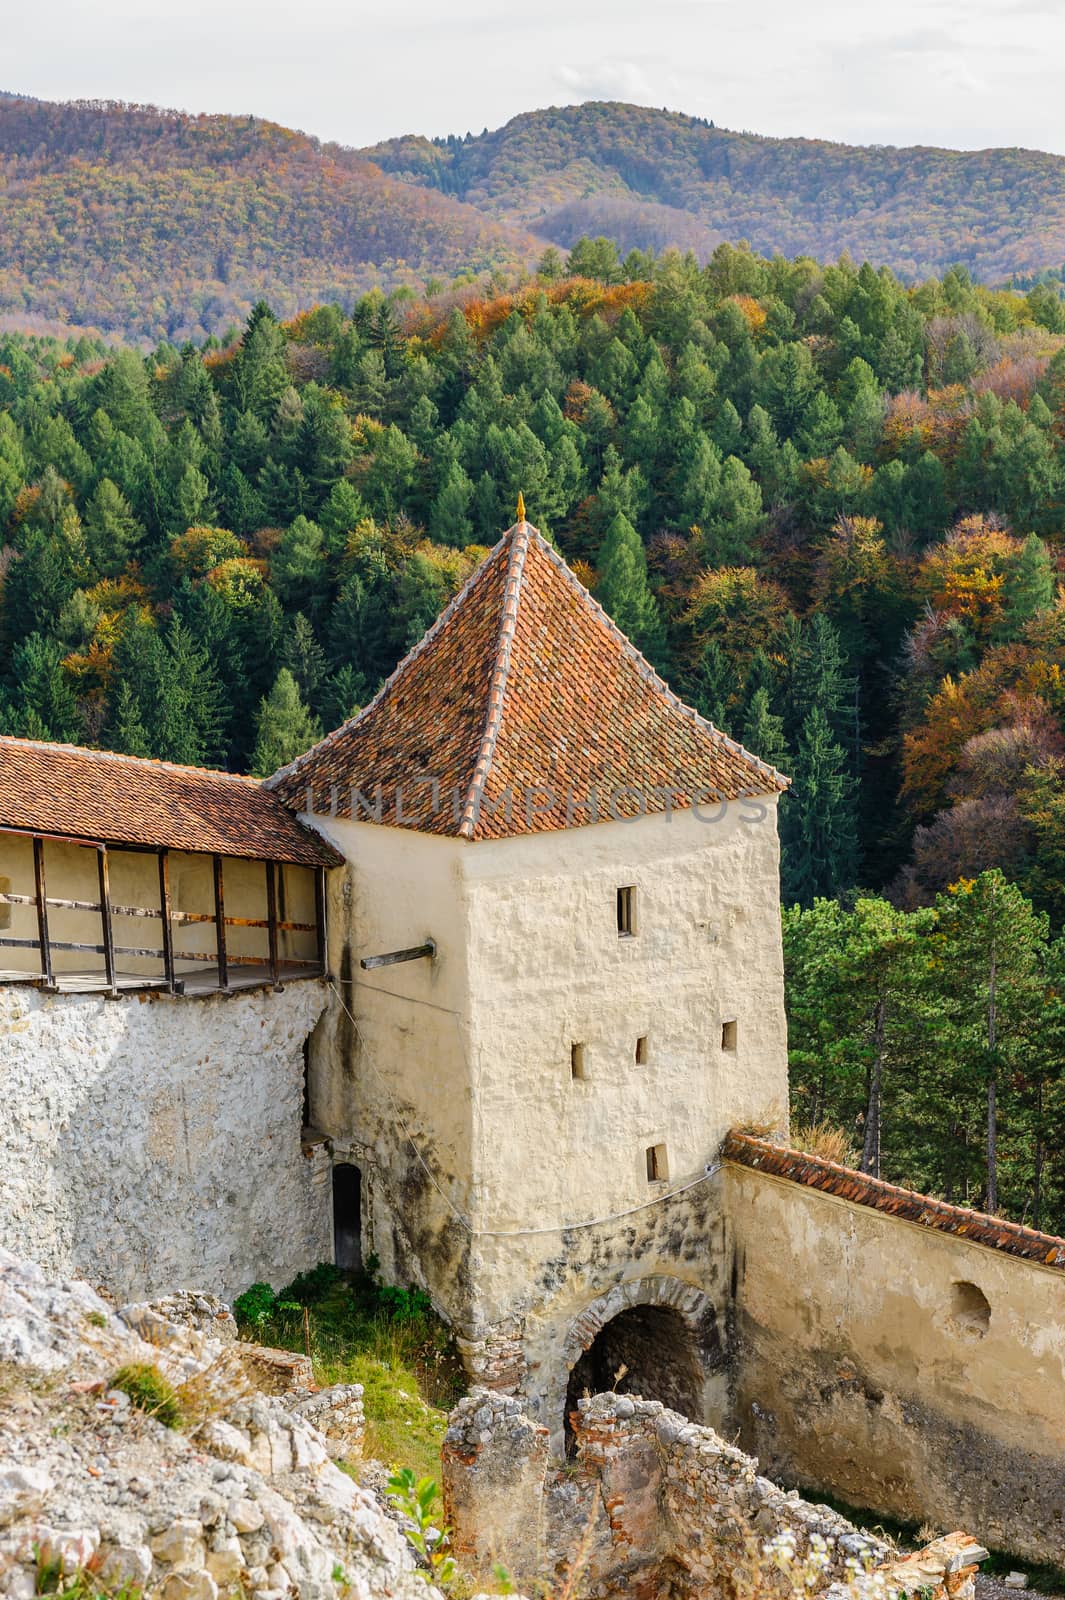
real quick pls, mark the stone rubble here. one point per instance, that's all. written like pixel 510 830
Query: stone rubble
pixel 245 1496
pixel 654 1504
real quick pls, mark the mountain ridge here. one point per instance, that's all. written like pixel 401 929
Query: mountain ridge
pixel 998 211
pixel 160 224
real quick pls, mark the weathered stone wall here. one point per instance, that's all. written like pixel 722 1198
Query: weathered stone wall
pixel 655 1505
pixel 470 1055
pixel 909 1369
pixel 547 970
pixel 152 1143
pixel 389 1062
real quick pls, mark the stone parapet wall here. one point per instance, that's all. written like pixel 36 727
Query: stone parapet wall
pixel 896 1352
pixel 654 1504
pixel 975 1227
pixel 153 1143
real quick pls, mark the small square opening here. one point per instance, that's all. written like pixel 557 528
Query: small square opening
pixel 576 1061
pixel 728 1035
pixel 627 912
pixel 657 1165
pixel 641 1050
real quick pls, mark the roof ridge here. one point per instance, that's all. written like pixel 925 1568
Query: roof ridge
pixel 121 755
pixel 293 767
pixel 498 686
pixel 648 672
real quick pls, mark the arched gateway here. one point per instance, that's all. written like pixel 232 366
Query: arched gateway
pixel 661 1335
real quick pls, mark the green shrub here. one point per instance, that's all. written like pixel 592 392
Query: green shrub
pixel 308 1288
pixel 405 1305
pixel 149 1391
pixel 256 1305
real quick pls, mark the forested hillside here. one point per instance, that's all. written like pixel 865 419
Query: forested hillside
pixel 161 225
pixel 648 178
pixel 155 224
pixel 828 507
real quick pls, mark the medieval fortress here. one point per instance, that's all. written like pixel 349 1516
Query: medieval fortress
pixel 489 984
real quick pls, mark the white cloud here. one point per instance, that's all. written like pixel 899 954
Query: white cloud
pixel 610 80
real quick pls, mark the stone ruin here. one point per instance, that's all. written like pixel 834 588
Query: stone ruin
pixel 655 1506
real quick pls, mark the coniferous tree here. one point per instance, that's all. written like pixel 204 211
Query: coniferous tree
pixel 624 591
pixel 819 824
pixel 284 727
pixel 112 532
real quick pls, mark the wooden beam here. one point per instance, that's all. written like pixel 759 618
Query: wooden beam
pixel 105 919
pixel 271 917
pixel 394 957
pixel 321 912
pixel 164 912
pixel 220 924
pixel 42 910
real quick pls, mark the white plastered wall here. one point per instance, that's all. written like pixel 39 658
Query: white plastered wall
pixel 471 1054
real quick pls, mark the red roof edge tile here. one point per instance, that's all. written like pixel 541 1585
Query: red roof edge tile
pixel 498 688
pixel 765 777
pixel 1009 1238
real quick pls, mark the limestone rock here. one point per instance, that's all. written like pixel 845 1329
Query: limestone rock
pixel 248 1499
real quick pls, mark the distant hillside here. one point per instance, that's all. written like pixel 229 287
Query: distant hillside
pixel 654 177
pixel 158 224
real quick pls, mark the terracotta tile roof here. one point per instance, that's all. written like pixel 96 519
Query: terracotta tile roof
pixel 522 704
pixel 113 799
pixel 764 1156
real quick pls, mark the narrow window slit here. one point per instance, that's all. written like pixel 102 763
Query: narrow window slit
pixel 657 1165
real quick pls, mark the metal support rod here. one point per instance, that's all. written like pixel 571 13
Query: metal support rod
pixel 42 910
pixel 271 917
pixel 105 919
pixel 417 953
pixel 220 924
pixel 164 912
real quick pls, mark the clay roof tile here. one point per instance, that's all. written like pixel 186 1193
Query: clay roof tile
pixel 524 709
pixel 114 799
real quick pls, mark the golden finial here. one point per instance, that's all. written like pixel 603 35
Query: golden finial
pixel 521 506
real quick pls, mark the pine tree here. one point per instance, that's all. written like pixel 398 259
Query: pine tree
pixel 715 686
pixel 763 733
pixel 112 532
pixel 304 658
pixel 449 520
pixel 818 825
pixel 284 727
pixel 1028 588
pixel 623 589
pixel 126 730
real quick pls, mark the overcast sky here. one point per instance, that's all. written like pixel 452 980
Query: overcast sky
pixel 965 73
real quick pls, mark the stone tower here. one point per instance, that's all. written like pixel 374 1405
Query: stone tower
pixel 580 878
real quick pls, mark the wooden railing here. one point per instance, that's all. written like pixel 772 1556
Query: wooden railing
pixel 107 910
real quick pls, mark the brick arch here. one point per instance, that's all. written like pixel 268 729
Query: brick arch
pixel 694 1308
pixel 671 1308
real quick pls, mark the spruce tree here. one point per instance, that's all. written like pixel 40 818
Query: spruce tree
pixel 126 731
pixel 818 823
pixel 284 727
pixel 1028 588
pixel 623 589
pixel 763 733
pixel 714 687
pixel 111 530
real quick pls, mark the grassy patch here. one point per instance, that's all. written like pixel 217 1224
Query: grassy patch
pixel 150 1392
pixel 390 1342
